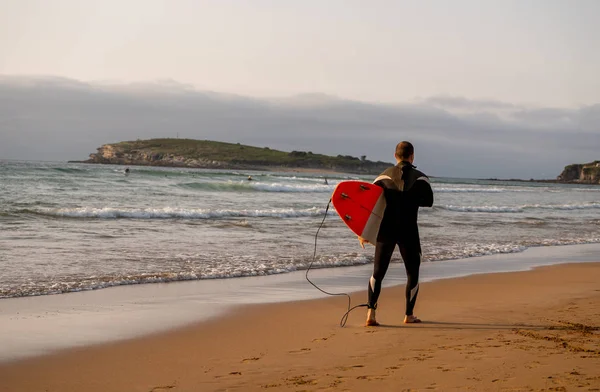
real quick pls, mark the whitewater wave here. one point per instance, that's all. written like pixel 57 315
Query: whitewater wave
pixel 469 190
pixel 521 208
pixel 245 270
pixel 313 179
pixel 183 172
pixel 462 251
pixel 176 213
pixel 309 186
pixel 292 188
pixel 246 186
pixel 225 271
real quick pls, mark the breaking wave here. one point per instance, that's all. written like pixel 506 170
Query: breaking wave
pixel 176 213
pixel 469 190
pixel 246 186
pixel 223 271
pixel 521 208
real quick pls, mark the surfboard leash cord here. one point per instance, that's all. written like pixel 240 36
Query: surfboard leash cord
pixel 350 307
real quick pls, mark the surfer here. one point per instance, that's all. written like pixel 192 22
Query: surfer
pixel 405 189
pixel 126 171
pixel 325 183
pixel 250 178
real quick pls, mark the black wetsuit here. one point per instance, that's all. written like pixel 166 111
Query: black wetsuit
pixel 405 189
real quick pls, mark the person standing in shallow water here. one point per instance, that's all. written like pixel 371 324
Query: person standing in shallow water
pixel 405 189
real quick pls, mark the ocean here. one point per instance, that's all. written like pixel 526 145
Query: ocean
pixel 67 227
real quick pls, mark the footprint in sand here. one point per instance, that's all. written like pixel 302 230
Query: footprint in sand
pixel 345 368
pixel 250 359
pixel 394 367
pixel 300 380
pixel 423 357
pixel 335 383
pixel 302 350
pixel 267 386
pixel 366 377
pixel 162 388
pixel 533 365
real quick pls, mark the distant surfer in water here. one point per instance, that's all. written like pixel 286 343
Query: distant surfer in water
pixel 325 182
pixel 250 178
pixel 405 189
pixel 126 171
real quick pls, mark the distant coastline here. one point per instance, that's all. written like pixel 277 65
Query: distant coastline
pixel 209 154
pixel 578 173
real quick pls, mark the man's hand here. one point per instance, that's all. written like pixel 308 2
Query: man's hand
pixel 362 242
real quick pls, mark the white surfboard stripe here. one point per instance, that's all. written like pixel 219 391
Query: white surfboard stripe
pixel 371 228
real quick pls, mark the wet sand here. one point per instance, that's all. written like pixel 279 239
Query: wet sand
pixel 520 331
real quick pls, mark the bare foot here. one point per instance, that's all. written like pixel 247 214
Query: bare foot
pixel 411 320
pixel 371 321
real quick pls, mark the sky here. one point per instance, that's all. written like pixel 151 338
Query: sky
pixel 477 74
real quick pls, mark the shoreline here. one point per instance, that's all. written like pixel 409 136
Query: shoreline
pixel 33 326
pixel 529 329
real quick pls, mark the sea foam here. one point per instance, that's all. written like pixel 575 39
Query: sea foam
pixel 179 213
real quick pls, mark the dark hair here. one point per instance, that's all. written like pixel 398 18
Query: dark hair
pixel 404 150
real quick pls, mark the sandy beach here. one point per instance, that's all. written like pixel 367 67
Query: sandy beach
pixel 519 331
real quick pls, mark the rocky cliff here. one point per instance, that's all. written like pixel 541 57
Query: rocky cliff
pixel 586 173
pixel 124 154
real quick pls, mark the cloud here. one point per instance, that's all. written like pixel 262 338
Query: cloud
pixel 450 102
pixel 50 118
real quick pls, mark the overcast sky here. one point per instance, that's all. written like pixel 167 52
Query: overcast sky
pixel 431 70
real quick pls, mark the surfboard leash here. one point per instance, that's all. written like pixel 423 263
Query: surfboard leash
pixel 350 307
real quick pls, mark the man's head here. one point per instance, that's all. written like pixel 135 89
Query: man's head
pixel 405 152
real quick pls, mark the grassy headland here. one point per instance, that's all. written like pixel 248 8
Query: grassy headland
pixel 219 155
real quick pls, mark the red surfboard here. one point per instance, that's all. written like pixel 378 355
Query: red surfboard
pixel 361 206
